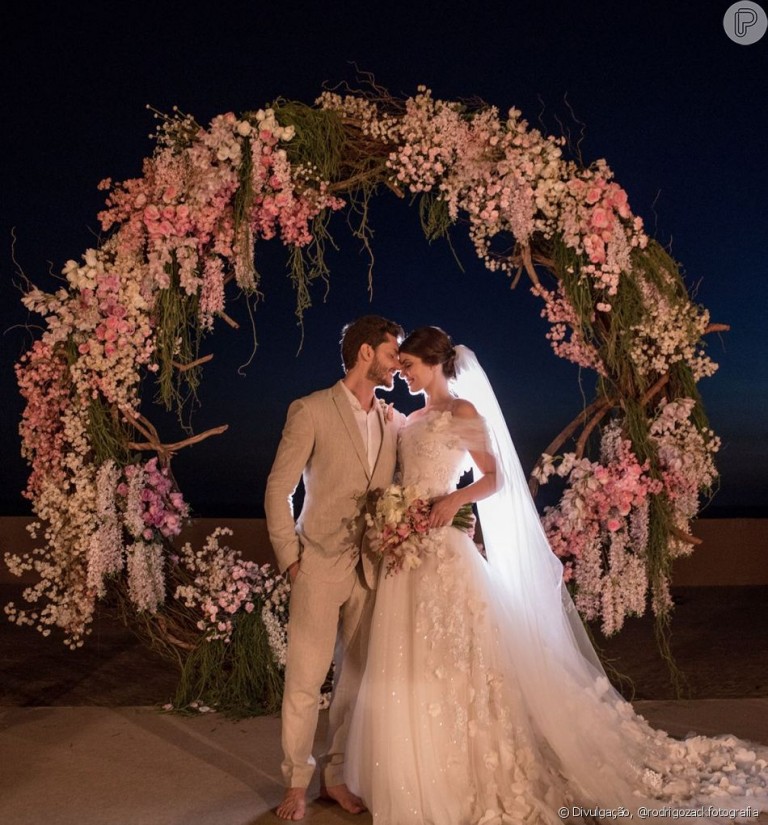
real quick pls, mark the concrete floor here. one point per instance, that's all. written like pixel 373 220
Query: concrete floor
pixel 82 741
pixel 136 766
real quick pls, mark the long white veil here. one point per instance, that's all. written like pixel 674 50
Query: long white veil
pixel 568 697
pixel 608 753
pixel 513 507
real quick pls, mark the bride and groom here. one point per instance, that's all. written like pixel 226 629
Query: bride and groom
pixel 466 690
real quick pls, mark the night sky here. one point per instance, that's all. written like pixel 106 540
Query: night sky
pixel 677 109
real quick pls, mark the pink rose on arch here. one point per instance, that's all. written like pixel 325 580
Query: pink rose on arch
pixel 617 198
pixel 601 218
pixel 595 248
pixel 172 525
pixel 594 193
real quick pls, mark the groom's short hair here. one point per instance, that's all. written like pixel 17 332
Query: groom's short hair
pixel 370 329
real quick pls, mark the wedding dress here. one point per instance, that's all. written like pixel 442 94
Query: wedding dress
pixel 482 700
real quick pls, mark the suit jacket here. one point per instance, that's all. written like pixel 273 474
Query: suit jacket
pixel 321 443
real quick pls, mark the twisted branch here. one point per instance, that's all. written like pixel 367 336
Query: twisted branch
pixel 543 260
pixel 166 451
pixel 526 258
pixel 231 321
pixel 192 364
pixel 655 389
pixel 163 626
pixel 604 408
pixel 684 537
pixel 528 264
pixel 365 176
pixel 562 437
pixel 153 442
pixel 142 424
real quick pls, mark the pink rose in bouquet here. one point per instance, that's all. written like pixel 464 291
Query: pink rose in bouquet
pixel 398 526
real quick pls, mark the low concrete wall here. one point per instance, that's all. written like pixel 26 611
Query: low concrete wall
pixel 733 552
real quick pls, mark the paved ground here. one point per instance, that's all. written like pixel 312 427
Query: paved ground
pixel 75 749
pixel 135 766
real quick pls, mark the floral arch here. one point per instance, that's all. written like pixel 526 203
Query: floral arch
pixel 181 237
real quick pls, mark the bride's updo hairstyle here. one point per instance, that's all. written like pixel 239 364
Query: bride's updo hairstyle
pixel 433 346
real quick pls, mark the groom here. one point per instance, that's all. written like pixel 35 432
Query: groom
pixel 343 445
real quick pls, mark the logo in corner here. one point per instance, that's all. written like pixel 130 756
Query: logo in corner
pixel 745 22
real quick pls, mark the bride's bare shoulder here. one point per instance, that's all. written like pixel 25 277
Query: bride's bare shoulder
pixel 464 409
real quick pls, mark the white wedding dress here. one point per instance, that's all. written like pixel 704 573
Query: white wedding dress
pixel 460 722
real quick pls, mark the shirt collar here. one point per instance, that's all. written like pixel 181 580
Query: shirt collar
pixel 356 405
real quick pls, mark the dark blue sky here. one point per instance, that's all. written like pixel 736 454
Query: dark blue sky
pixel 678 110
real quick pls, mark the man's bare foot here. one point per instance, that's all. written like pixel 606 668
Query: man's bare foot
pixel 294 804
pixel 343 796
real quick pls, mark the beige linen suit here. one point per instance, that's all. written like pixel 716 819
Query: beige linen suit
pixel 333 591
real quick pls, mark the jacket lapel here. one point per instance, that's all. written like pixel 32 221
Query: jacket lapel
pixel 384 433
pixel 347 416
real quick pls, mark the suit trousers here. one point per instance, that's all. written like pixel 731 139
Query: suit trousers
pixel 329 621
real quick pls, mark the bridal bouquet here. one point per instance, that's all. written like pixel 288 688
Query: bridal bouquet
pixel 398 526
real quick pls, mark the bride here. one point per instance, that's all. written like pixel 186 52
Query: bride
pixel 483 701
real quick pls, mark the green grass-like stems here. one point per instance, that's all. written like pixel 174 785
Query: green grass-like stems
pixel 239 678
pixel 178 338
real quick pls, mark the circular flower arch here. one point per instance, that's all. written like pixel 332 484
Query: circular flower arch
pixel 633 463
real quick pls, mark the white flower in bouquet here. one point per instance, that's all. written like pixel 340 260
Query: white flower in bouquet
pixel 398 526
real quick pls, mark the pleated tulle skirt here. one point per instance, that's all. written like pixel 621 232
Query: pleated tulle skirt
pixel 442 732
pixel 439 735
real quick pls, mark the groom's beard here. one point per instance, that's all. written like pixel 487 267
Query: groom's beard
pixel 379 375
